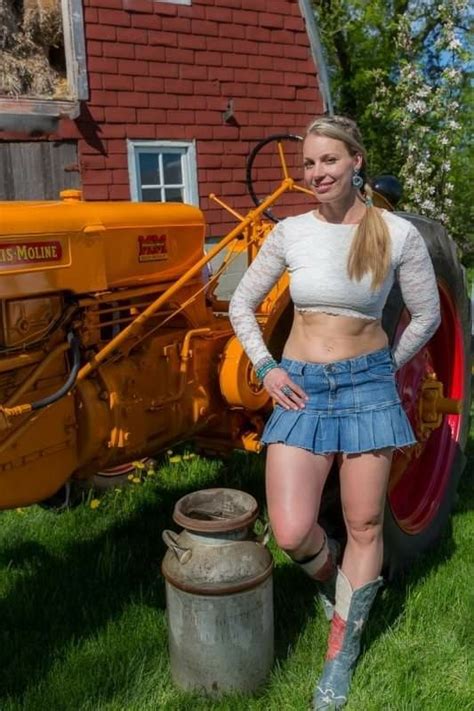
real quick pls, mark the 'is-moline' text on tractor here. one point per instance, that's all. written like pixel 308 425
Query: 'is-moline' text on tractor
pixel 114 345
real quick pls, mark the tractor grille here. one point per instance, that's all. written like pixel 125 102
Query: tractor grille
pixel 105 319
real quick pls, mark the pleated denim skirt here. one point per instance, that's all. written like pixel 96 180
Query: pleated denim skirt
pixel 353 407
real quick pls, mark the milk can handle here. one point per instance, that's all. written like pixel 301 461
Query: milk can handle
pixel 264 537
pixel 182 554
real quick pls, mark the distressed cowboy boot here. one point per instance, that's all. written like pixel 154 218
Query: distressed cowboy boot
pixel 322 568
pixel 350 614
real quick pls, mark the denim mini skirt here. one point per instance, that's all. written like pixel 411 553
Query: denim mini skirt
pixel 353 407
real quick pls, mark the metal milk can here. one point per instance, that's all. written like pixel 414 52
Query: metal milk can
pixel 219 594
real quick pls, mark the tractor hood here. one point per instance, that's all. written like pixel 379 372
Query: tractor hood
pixel 91 246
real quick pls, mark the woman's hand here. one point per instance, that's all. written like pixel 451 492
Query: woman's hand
pixel 283 390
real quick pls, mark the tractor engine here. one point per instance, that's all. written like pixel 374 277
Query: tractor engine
pixel 73 276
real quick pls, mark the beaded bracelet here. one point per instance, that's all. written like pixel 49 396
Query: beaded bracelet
pixel 265 366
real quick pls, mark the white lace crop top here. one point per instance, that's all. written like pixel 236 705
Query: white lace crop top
pixel 315 253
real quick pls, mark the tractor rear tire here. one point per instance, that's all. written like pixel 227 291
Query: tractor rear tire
pixel 419 506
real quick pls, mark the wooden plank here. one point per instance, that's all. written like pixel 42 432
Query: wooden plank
pixel 36 170
pixel 63 155
pixel 6 173
pixel 75 48
pixel 42 107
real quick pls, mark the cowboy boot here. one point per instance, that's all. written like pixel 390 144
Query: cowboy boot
pixel 322 568
pixel 350 614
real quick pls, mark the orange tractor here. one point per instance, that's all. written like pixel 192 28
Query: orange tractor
pixel 114 345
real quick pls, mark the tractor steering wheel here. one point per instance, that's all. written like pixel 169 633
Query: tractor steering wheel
pixel 278 137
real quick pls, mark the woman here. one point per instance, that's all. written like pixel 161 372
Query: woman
pixel 335 389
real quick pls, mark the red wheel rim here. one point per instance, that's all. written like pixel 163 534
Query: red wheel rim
pixel 417 493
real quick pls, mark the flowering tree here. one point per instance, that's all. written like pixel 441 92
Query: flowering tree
pixel 399 69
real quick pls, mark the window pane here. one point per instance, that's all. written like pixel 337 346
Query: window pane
pixel 149 169
pixel 172 168
pixel 151 194
pixel 174 195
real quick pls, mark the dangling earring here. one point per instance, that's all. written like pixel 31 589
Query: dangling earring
pixel 357 180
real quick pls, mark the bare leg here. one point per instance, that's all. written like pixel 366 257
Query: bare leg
pixel 295 480
pixel 364 479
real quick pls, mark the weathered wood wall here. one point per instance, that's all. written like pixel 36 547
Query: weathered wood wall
pixel 37 170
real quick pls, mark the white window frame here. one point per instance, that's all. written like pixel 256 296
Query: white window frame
pixel 76 72
pixel 189 165
pixel 176 2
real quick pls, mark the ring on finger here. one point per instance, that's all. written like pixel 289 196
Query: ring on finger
pixel 286 390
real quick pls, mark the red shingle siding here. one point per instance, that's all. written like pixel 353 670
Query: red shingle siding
pixel 165 71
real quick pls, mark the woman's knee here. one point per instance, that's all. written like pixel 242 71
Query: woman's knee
pixel 365 530
pixel 291 535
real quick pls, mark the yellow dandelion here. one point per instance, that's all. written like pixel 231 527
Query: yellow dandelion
pixel 136 480
pixel 130 477
pixel 175 459
pixel 94 504
pixel 139 465
pixel 186 456
pixel 20 510
pixel 150 473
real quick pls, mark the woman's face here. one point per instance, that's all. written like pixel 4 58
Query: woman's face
pixel 329 167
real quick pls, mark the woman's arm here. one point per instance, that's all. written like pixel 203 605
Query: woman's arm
pixel 420 293
pixel 257 281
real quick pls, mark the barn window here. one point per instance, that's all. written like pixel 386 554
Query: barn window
pixel 163 171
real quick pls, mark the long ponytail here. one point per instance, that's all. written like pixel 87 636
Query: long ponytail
pixel 370 250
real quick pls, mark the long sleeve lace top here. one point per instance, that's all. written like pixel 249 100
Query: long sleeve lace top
pixel 315 253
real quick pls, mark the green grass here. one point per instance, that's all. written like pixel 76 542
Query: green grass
pixel 83 626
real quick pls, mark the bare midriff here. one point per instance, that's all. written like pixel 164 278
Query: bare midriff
pixel 318 337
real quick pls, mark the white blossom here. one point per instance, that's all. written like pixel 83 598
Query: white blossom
pixel 423 92
pixel 427 205
pixel 416 106
pixel 454 43
pixel 451 73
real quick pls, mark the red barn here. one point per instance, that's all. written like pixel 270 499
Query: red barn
pixel 161 100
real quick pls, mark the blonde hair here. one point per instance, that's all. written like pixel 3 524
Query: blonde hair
pixel 370 250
